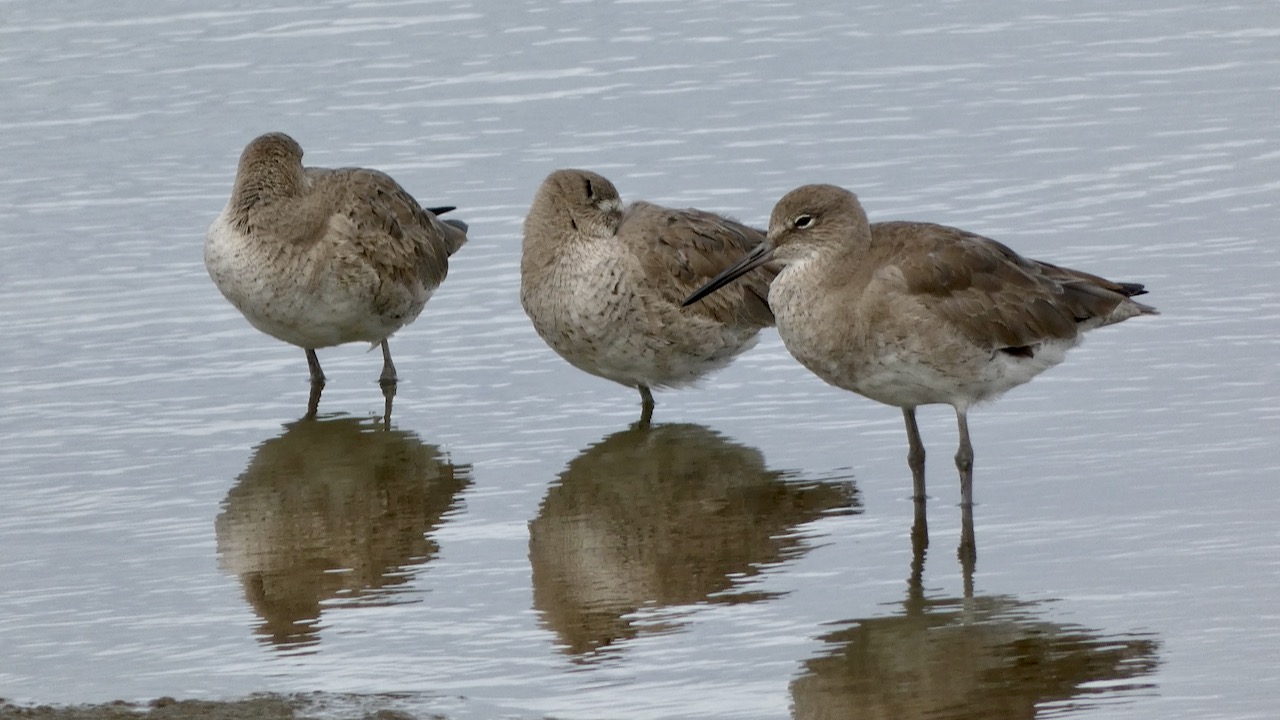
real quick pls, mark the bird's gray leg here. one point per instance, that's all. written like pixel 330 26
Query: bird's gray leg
pixel 920 531
pixel 646 405
pixel 387 381
pixel 964 458
pixel 915 454
pixel 915 604
pixel 317 384
pixel 968 550
pixel 313 402
pixel 388 375
pixel 313 364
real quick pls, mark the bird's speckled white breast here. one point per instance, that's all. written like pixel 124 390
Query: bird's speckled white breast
pixel 300 297
pixel 591 305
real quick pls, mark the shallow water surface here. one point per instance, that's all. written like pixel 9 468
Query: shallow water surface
pixel 511 543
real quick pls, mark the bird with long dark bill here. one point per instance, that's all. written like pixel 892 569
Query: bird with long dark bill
pixel 911 314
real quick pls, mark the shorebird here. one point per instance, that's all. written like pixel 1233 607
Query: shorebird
pixel 910 314
pixel 319 257
pixel 603 285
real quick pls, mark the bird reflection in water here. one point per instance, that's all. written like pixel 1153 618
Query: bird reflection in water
pixel 332 513
pixel 974 657
pixel 661 516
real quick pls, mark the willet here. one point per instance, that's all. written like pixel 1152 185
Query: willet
pixel 603 285
pixel 910 314
pixel 319 257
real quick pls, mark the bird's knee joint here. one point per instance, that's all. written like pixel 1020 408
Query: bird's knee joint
pixel 915 457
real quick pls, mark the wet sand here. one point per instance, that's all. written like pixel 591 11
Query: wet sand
pixel 256 707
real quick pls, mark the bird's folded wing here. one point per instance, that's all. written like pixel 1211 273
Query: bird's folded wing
pixel 691 247
pixel 389 228
pixel 998 298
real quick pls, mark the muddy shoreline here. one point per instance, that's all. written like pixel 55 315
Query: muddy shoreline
pixel 255 707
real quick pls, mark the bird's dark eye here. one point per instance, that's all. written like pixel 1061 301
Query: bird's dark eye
pixel 591 191
pixel 803 222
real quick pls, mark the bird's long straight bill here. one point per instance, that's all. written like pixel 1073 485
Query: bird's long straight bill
pixel 752 260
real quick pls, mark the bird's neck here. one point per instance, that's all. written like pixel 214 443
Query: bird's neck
pixel 263 184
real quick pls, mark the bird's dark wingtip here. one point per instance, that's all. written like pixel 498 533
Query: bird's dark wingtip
pixel 1132 289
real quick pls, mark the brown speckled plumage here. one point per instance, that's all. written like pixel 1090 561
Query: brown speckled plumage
pixel 603 284
pixel 318 257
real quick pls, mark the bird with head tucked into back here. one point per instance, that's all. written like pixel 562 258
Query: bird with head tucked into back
pixel 319 257
pixel 602 284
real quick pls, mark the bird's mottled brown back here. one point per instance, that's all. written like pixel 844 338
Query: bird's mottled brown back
pixel 683 249
pixel 392 231
pixel 996 297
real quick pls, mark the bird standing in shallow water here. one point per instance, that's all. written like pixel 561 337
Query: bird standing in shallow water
pixel 318 257
pixel 909 314
pixel 603 285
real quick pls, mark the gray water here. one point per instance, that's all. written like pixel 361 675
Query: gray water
pixel 511 547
